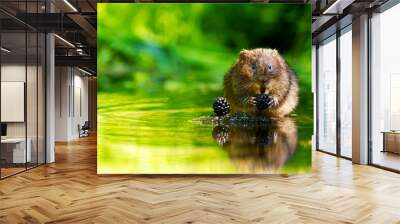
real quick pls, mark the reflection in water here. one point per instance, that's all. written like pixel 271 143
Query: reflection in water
pixel 155 136
pixel 258 148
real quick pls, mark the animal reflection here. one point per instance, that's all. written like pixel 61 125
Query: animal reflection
pixel 261 148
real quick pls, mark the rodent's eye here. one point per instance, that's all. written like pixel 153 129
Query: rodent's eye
pixel 269 67
pixel 253 67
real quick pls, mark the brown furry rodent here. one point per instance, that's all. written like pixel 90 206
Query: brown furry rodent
pixel 261 71
pixel 259 149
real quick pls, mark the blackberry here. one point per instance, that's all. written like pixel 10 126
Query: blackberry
pixel 221 134
pixel 221 106
pixel 263 101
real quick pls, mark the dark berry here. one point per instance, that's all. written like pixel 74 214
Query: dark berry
pixel 221 106
pixel 263 101
pixel 221 134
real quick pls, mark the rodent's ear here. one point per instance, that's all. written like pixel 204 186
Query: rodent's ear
pixel 244 53
pixel 275 52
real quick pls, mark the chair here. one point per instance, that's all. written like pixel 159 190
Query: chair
pixel 84 130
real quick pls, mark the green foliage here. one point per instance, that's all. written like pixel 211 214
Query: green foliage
pixel 149 48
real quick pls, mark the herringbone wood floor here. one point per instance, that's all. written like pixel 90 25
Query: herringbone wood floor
pixel 69 191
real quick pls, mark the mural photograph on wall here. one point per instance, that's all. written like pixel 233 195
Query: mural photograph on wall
pixel 204 88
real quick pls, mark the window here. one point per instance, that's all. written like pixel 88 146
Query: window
pixel 346 92
pixel 334 106
pixel 22 77
pixel 327 95
pixel 385 89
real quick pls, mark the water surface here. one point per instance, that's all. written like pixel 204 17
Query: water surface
pixel 162 135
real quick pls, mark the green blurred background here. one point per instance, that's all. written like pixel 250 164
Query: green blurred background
pixel 161 65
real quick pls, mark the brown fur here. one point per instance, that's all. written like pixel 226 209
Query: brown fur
pixel 242 84
pixel 262 149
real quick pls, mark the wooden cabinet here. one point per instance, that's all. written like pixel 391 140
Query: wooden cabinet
pixel 391 142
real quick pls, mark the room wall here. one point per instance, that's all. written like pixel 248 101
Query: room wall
pixel 314 88
pixel 62 81
pixel 80 109
pixel 33 127
pixel 92 109
pixel 17 73
pixel 71 102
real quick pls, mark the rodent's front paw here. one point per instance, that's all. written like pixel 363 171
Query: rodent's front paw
pixel 273 102
pixel 249 101
pixel 252 101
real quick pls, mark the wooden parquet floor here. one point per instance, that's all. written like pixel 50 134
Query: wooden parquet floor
pixel 69 191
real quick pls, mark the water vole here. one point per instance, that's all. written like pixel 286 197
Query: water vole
pixel 260 71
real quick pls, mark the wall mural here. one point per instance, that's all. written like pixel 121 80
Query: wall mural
pixel 204 88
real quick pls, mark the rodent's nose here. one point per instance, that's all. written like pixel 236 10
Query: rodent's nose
pixel 262 79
